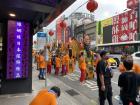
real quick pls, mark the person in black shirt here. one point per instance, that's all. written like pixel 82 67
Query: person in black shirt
pixel 104 75
pixel 129 83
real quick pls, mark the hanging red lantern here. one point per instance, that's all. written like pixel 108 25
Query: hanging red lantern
pixel 92 5
pixel 51 33
pixel 63 24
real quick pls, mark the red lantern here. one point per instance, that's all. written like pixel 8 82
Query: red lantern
pixel 92 5
pixel 63 24
pixel 51 33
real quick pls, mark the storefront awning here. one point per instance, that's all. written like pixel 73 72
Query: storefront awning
pixel 122 43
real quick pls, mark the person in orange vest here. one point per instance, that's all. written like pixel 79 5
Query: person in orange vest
pixel 49 66
pixel 47 97
pixel 42 66
pixel 82 67
pixel 58 64
pixel 67 63
pixel 63 64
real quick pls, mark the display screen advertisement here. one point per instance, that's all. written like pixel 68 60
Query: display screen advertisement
pixel 17 49
pixel 124 27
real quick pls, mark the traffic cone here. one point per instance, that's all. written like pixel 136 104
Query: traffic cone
pixel 130 103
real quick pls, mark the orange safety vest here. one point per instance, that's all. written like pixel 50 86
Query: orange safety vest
pixel 42 62
pixel 82 64
pixel 58 61
pixel 44 98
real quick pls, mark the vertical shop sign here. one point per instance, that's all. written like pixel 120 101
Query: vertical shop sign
pixel 41 40
pixel 124 27
pixel 18 49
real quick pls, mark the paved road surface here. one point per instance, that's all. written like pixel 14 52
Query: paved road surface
pixel 90 89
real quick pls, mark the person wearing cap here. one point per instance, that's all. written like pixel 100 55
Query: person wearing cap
pixel 47 97
pixel 129 83
pixel 104 75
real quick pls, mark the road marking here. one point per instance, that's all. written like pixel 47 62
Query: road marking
pixel 88 83
pixel 94 89
pixel 91 82
pixel 114 82
pixel 117 97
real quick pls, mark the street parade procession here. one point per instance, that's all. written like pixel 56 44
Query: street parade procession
pixel 62 59
pixel 92 65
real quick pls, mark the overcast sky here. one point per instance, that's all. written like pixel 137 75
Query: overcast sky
pixel 106 9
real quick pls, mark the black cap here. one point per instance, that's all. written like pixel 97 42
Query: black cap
pixel 56 90
pixel 102 53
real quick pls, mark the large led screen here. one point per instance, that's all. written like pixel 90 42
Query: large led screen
pixel 17 49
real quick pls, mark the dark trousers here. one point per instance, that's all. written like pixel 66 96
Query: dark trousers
pixel 56 70
pixel 49 68
pixel 42 72
pixel 63 70
pixel 105 94
pixel 127 102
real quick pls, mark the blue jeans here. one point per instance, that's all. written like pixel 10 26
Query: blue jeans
pixel 42 73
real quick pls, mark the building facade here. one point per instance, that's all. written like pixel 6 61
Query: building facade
pixel 119 33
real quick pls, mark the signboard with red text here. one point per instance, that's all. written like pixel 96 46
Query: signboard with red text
pixel 124 27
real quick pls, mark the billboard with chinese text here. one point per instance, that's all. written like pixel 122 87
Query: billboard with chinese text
pixel 17 49
pixel 124 27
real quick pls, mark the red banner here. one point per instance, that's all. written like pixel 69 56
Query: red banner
pixel 124 27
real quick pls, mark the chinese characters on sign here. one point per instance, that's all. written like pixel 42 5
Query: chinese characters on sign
pixel 124 27
pixel 18 49
pixel 18 45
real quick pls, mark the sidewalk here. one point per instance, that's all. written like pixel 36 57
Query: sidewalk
pixel 65 98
